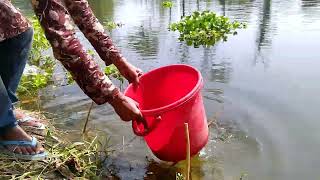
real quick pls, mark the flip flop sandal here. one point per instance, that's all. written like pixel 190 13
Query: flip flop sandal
pixel 30 125
pixel 30 120
pixel 32 143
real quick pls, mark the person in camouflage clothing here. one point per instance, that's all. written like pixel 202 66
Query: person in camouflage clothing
pixel 57 18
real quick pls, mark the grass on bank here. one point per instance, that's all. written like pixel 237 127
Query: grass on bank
pixel 83 159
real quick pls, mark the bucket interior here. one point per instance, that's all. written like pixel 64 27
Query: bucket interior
pixel 164 86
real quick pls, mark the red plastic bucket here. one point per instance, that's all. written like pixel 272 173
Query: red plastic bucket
pixel 168 97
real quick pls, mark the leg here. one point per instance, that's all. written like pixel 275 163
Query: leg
pixel 14 55
pixel 9 130
pixel 7 119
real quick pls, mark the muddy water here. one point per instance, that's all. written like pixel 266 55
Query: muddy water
pixel 261 85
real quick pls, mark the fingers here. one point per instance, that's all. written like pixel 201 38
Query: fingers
pixel 139 71
pixel 134 79
pixel 136 103
pixel 128 109
pixel 140 118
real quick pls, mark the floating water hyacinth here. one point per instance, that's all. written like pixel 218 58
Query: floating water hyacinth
pixel 167 4
pixel 205 28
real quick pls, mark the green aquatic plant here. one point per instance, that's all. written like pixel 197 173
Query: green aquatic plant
pixel 205 28
pixel 39 44
pixel 112 72
pixel 179 176
pixel 243 176
pixel 30 84
pixel 111 25
pixel 167 4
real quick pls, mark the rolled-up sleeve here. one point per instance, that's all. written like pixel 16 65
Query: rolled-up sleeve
pixel 60 32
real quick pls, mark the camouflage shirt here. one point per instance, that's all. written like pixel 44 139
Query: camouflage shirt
pixel 56 18
pixel 12 22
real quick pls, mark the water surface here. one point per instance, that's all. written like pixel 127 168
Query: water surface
pixel 262 85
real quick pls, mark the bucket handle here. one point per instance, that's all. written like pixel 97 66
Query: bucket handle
pixel 146 129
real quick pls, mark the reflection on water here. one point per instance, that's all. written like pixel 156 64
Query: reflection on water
pixel 24 6
pixel 261 86
pixel 237 10
pixel 310 3
pixel 145 42
pixel 310 9
pixel 264 26
pixel 263 37
pixel 103 9
pixel 220 72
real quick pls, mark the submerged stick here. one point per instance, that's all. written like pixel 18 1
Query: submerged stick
pixel 183 8
pixel 186 129
pixel 87 120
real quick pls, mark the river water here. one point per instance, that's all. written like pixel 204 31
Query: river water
pixel 261 85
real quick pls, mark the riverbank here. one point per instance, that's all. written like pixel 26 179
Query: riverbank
pixel 85 158
pixel 66 159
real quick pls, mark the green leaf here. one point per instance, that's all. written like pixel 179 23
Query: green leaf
pixel 167 4
pixel 205 28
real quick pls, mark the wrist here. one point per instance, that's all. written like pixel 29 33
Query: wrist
pixel 121 63
pixel 117 99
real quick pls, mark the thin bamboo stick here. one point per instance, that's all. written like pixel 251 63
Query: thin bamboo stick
pixel 87 120
pixel 186 129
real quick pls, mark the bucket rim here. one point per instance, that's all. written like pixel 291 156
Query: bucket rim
pixel 181 101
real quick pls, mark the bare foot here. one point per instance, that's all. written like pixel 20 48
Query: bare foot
pixel 19 114
pixel 18 134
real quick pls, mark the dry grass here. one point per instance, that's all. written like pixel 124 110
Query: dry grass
pixel 66 159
